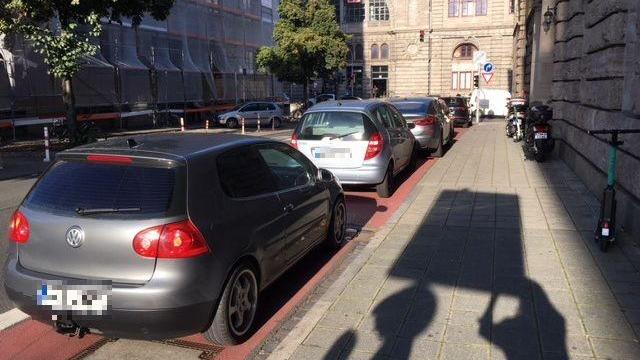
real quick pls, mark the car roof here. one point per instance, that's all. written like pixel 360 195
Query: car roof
pixel 346 105
pixel 412 99
pixel 174 146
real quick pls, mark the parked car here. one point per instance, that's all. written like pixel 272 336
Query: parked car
pixel 163 236
pixel 458 110
pixel 267 112
pixel 433 129
pixel 361 142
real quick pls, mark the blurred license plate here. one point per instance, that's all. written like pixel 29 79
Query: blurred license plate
pixel 331 153
pixel 540 135
pixel 92 299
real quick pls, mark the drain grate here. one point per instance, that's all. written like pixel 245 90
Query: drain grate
pixel 209 352
pixel 91 349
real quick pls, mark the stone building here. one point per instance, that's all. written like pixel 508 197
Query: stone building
pixel 584 62
pixel 405 47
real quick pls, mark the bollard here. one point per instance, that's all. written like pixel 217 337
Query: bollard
pixel 273 124
pixel 242 124
pixel 258 130
pixel 46 145
pixel 181 124
pixel 206 125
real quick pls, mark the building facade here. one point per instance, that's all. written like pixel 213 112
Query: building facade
pixel 583 61
pixel 412 47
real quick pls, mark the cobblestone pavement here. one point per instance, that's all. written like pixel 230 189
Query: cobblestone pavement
pixel 494 258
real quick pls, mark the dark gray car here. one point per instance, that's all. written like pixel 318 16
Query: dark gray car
pixel 167 235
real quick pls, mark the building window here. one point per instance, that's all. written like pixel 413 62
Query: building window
pixel 384 51
pixel 375 52
pixel 353 11
pixel 512 6
pixel 461 80
pixel 378 10
pixel 481 7
pixel 359 52
pixel 468 7
pixel 380 72
pixel 267 14
pixel 464 51
pixel 454 10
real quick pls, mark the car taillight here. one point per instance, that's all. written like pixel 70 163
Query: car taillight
pixel 171 241
pixel 110 159
pixel 19 228
pixel 374 147
pixel 429 120
pixel 294 140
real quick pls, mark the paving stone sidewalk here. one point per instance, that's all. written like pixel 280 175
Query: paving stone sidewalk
pixel 494 258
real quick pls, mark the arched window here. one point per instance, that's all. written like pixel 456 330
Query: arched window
pixel 375 51
pixel 384 51
pixel 359 53
pixel 464 51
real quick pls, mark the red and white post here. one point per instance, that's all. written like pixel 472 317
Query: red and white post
pixel 47 157
pixel 242 124
pixel 258 130
pixel 206 125
pixel 181 124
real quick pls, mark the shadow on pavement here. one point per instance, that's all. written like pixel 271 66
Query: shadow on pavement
pixel 465 286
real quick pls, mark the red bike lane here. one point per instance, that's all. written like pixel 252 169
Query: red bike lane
pixel 34 340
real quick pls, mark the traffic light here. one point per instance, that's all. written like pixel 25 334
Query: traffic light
pixel 421 35
pixel 476 81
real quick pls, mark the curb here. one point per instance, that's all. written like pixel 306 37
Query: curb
pixel 11 318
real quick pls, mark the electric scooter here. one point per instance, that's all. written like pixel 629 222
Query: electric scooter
pixel 605 232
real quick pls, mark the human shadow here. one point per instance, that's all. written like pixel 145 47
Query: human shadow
pixel 464 283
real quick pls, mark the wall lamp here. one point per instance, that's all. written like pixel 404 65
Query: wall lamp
pixel 549 18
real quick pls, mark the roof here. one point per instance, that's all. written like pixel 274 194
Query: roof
pixel 353 105
pixel 171 146
pixel 412 99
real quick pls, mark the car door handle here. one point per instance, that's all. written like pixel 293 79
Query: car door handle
pixel 288 208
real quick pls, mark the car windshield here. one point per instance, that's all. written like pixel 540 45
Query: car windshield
pixel 72 186
pixel 412 107
pixel 334 125
pixel 454 101
pixel 237 107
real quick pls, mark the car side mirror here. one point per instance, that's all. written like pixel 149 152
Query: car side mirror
pixel 325 175
pixel 411 125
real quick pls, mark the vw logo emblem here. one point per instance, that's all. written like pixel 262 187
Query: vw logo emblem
pixel 75 236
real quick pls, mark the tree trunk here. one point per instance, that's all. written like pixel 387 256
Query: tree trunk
pixel 305 92
pixel 70 105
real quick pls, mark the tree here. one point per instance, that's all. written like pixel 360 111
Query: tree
pixel 64 32
pixel 309 43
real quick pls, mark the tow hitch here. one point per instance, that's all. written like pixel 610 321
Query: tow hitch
pixel 70 328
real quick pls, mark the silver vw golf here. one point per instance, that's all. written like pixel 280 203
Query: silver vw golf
pixel 167 235
pixel 362 142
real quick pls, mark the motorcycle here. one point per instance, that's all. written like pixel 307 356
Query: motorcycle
pixel 515 121
pixel 538 140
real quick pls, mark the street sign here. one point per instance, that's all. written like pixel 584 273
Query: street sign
pixel 487 67
pixel 484 103
pixel 479 57
pixel 487 71
pixel 487 77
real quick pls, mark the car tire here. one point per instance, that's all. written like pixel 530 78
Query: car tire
pixel 385 188
pixel 232 123
pixel 413 162
pixel 275 122
pixel 337 225
pixel 239 299
pixel 439 151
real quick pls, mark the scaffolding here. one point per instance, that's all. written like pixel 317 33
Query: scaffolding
pixel 201 57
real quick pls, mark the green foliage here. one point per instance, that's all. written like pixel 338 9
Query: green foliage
pixel 64 31
pixel 309 42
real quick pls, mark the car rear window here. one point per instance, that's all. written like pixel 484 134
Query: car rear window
pixel 412 107
pixel 69 185
pixel 454 102
pixel 352 126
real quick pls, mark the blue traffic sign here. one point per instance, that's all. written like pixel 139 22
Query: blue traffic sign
pixel 488 67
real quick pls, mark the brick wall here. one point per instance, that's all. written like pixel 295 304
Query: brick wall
pixel 596 77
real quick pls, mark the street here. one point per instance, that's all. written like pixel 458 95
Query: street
pixel 478 254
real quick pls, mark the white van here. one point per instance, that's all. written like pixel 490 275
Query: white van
pixel 498 101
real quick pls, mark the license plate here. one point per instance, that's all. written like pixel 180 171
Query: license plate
pixel 94 299
pixel 540 135
pixel 605 232
pixel 329 153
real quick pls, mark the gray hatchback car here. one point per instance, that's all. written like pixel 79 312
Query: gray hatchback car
pixel 167 235
pixel 269 114
pixel 362 142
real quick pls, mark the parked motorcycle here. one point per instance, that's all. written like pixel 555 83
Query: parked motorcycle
pixel 515 121
pixel 538 139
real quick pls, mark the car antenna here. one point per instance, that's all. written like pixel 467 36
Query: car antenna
pixel 132 143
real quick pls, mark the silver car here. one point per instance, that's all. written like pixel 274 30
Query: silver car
pixel 361 142
pixel 270 114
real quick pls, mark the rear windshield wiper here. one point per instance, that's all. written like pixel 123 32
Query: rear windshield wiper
pixel 344 135
pixel 81 211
